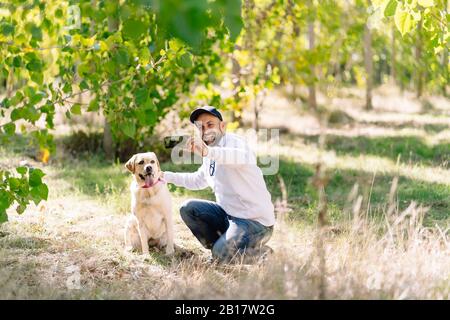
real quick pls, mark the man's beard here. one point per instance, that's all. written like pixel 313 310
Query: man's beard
pixel 212 138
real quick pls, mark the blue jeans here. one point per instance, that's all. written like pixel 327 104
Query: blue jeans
pixel 228 237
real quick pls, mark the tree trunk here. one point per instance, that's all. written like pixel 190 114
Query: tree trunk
pixel 445 59
pixel 393 61
pixel 108 143
pixel 446 73
pixel 312 101
pixel 236 79
pixel 249 7
pixel 296 32
pixel 419 69
pixel 256 113
pixel 10 82
pixel 368 64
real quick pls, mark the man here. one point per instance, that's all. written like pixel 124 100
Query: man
pixel 242 218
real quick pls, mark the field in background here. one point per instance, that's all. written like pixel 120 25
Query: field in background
pixel 376 246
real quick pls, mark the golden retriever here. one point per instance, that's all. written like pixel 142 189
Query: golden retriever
pixel 151 220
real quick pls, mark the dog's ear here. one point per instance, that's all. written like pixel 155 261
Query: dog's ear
pixel 130 165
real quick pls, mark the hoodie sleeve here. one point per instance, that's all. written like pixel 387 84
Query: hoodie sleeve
pixel 189 180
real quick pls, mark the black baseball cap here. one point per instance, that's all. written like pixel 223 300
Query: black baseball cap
pixel 205 109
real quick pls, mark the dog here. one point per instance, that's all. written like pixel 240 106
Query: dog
pixel 151 220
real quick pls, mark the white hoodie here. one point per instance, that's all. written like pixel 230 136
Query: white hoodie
pixel 237 181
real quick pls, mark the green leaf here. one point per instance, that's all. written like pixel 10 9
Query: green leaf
pixel 141 96
pixel 35 97
pixel 22 170
pixel 129 129
pixel 5 200
pixel 18 97
pixel 389 11
pixel 76 109
pixel 16 114
pixel 134 29
pixel 185 61
pixel 37 77
pixel 84 69
pixel 426 3
pixel 14 183
pixel 34 65
pixel 3 216
pixel 24 189
pixel 144 56
pixel 122 56
pixel 191 19
pixel 233 20
pixel 36 33
pixel 17 62
pixel 21 208
pixel 6 28
pixel 39 193
pixel 84 85
pixel 67 88
pixel 93 106
pixel 58 13
pixel 9 128
pixel 30 113
pixel 403 21
pixel 35 178
pixel 146 114
pixel 150 117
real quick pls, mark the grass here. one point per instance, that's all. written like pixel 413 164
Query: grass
pixel 393 244
pixel 410 149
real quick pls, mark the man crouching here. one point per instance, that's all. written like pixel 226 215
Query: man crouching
pixel 241 220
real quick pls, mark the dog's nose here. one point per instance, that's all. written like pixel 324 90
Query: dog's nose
pixel 148 169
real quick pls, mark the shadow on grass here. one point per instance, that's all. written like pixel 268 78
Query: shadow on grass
pixel 411 149
pixel 303 197
pixel 94 176
pixel 159 257
pixel 430 128
pixel 23 243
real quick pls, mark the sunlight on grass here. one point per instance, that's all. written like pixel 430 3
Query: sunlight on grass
pixel 379 244
pixel 309 154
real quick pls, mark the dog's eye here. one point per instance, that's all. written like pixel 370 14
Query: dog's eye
pixel 141 162
pixel 152 161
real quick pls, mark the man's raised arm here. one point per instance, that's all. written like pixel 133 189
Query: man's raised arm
pixel 237 154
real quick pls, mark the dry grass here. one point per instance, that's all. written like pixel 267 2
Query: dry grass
pixel 40 255
pixel 71 246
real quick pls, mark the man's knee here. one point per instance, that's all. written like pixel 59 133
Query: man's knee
pixel 187 210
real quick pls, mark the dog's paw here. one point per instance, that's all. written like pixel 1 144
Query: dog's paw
pixel 170 250
pixel 128 249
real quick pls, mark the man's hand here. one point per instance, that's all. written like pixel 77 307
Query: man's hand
pixel 197 145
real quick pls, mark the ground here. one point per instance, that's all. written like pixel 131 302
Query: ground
pixel 388 209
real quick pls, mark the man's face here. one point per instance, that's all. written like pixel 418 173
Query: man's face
pixel 211 128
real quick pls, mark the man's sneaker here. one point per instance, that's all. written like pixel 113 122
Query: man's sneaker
pixel 259 256
pixel 210 260
pixel 266 251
